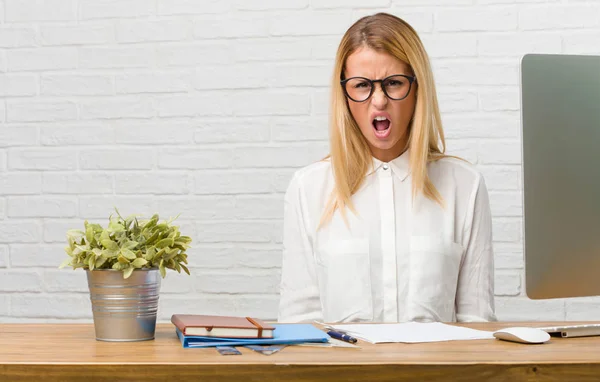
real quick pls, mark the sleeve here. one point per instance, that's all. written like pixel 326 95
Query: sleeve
pixel 475 291
pixel 299 291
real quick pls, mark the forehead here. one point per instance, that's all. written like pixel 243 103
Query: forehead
pixel 367 62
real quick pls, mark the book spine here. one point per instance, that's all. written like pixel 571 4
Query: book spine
pixel 178 324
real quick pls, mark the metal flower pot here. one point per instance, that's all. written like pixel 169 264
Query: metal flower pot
pixel 124 309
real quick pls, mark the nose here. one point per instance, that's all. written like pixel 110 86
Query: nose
pixel 379 98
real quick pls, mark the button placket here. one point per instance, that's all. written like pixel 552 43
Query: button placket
pixel 388 245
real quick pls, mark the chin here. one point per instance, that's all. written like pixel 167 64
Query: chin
pixel 387 145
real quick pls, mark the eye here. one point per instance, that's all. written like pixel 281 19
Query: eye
pixel 361 84
pixel 394 82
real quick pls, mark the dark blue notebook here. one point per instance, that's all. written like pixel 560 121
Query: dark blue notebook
pixel 284 334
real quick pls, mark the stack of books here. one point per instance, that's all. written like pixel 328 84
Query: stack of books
pixel 200 331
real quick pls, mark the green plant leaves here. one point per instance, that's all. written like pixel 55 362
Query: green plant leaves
pixel 89 234
pixel 100 262
pixel 65 263
pixel 128 254
pixel 150 253
pixel 161 266
pixel 128 272
pixel 128 244
pixel 165 243
pixel 185 268
pixel 109 244
pixel 139 262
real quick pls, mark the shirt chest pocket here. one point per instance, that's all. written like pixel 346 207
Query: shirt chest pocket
pixel 345 280
pixel 434 268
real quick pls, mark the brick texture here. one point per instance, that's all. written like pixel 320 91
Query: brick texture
pixel 206 108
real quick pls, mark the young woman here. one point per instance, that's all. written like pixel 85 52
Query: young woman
pixel 387 228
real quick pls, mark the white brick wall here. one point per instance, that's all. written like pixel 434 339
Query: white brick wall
pixel 206 107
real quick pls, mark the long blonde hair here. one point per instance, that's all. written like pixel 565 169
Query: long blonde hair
pixel 350 154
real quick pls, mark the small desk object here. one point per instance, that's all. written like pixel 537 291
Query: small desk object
pixel 70 352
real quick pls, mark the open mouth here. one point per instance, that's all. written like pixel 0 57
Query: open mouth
pixel 381 126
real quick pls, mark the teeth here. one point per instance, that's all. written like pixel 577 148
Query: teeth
pixel 380 118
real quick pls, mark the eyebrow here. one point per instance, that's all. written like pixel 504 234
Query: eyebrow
pixel 386 76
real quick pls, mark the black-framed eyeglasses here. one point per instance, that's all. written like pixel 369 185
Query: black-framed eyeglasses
pixel 395 87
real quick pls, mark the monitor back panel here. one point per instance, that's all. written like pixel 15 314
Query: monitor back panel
pixel 560 104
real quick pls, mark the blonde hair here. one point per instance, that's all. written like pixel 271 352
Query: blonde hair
pixel 350 154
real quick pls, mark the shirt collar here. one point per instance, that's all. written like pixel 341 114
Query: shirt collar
pixel 400 166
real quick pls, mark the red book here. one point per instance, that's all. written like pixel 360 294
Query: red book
pixel 222 326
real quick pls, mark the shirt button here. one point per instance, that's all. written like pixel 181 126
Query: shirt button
pixel 385 166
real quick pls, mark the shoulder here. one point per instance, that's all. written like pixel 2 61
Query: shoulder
pixel 311 181
pixel 463 175
pixel 311 176
pixel 456 166
pixel 308 191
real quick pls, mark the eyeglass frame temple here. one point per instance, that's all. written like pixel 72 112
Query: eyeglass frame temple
pixel 410 79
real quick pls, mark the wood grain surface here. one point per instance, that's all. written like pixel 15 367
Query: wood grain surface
pixel 70 352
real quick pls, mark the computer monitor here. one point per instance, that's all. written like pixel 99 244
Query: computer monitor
pixel 560 106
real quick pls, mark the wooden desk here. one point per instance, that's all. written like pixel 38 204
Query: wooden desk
pixel 69 352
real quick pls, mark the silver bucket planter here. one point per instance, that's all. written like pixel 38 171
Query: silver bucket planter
pixel 124 309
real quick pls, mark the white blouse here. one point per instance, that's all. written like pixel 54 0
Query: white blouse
pixel 396 260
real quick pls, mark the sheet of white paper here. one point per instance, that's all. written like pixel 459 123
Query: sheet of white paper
pixel 412 332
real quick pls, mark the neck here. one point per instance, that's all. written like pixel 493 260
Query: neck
pixel 388 155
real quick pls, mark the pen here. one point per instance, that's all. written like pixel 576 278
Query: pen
pixel 341 336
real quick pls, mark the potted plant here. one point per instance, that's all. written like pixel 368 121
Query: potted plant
pixel 123 263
